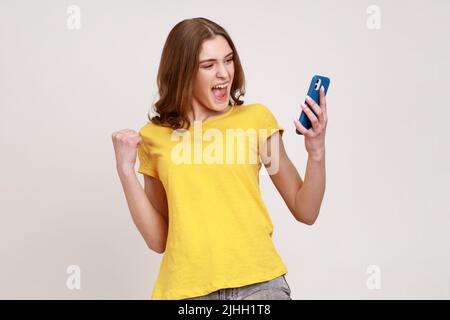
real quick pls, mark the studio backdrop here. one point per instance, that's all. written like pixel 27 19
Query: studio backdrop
pixel 74 72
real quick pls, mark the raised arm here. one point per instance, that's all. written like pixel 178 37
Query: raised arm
pixel 150 219
pixel 303 198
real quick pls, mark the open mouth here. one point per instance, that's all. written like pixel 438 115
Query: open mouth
pixel 220 92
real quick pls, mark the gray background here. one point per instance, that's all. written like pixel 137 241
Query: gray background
pixel 63 93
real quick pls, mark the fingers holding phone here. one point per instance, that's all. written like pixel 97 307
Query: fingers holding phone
pixel 314 111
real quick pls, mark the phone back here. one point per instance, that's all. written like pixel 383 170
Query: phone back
pixel 313 91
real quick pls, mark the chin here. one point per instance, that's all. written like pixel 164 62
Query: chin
pixel 218 106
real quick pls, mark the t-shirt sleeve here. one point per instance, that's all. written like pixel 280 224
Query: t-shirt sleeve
pixel 147 163
pixel 268 124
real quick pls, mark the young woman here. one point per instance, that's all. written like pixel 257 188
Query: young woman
pixel 201 205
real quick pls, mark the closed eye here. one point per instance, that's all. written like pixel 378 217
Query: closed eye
pixel 207 67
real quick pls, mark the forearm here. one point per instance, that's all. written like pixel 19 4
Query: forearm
pixel 150 223
pixel 309 197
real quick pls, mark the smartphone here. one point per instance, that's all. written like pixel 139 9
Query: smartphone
pixel 313 91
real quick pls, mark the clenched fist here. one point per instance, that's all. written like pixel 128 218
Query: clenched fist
pixel 125 143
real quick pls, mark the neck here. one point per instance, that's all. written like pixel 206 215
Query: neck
pixel 197 114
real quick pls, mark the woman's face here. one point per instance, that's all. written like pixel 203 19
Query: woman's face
pixel 216 66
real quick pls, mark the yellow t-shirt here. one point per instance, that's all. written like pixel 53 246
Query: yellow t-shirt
pixel 220 232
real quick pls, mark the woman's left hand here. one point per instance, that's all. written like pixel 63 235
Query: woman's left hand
pixel 315 136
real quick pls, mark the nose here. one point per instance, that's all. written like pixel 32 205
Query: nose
pixel 222 71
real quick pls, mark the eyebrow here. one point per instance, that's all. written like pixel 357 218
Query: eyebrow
pixel 208 60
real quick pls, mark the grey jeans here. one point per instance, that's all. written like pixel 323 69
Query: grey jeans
pixel 275 289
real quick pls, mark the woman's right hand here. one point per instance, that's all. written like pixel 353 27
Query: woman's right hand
pixel 125 143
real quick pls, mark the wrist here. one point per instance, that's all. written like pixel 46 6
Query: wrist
pixel 125 170
pixel 317 155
